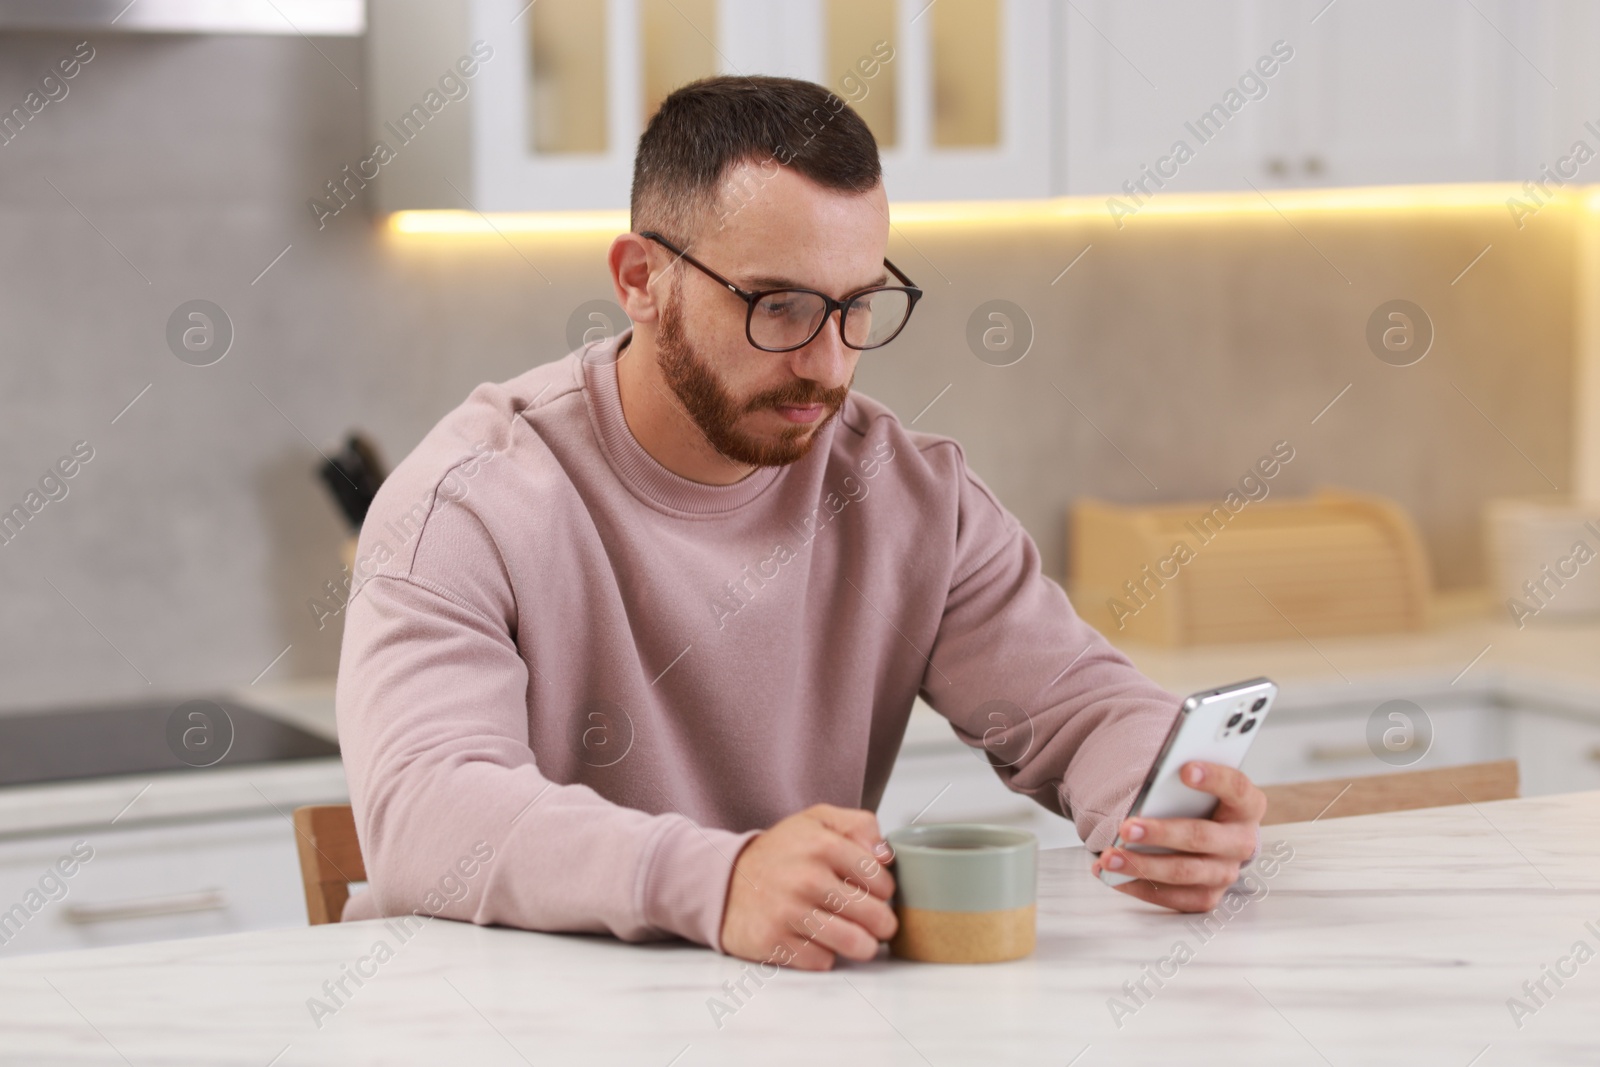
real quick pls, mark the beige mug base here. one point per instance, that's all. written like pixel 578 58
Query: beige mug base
pixel 964 936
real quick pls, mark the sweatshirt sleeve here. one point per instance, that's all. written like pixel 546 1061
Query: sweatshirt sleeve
pixel 1064 717
pixel 433 725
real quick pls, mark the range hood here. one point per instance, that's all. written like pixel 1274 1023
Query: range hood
pixel 310 18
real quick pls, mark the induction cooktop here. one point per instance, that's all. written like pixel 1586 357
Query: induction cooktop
pixel 149 737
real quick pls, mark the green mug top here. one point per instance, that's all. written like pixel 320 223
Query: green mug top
pixel 964 867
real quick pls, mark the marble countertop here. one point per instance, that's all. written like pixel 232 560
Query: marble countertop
pixel 1402 938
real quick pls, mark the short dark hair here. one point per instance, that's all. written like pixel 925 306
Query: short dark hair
pixel 709 125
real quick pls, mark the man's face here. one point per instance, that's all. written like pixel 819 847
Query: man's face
pixel 774 228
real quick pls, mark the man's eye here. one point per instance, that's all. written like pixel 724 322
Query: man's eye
pixel 777 308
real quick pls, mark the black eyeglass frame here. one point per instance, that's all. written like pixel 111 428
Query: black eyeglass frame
pixel 910 288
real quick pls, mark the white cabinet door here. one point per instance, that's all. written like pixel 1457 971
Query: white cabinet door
pixel 1387 93
pixel 1555 92
pixel 1363 92
pixel 149 884
pixel 1555 754
pixel 1141 79
pixel 1300 746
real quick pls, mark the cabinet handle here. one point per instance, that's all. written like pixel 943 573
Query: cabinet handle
pixel 1277 167
pixel 1314 165
pixel 1594 754
pixel 1342 753
pixel 175 904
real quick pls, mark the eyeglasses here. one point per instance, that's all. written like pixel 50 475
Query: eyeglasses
pixel 782 320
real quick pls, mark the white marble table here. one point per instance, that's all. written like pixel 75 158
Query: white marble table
pixel 1385 939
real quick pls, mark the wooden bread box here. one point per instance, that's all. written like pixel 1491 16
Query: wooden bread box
pixel 1336 563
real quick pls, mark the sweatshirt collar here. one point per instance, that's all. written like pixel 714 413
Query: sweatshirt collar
pixel 635 466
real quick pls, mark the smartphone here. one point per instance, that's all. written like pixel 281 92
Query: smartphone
pixel 1217 726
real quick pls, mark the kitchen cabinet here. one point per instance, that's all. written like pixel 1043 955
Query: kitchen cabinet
pixel 1556 92
pixel 1398 93
pixel 1331 741
pixel 958 93
pixel 1556 745
pixel 985 99
pixel 1370 93
pixel 1556 753
pixel 148 883
pixel 1133 76
pixel 974 82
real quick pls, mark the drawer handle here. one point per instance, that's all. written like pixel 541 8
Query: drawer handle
pixel 1343 753
pixel 1594 754
pixel 175 904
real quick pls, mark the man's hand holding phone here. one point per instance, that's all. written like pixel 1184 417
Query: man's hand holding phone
pixel 1207 853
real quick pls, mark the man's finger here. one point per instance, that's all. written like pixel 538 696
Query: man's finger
pixel 872 914
pixel 862 900
pixel 807 955
pixel 858 825
pixel 858 867
pixel 1187 898
pixel 1234 840
pixel 1232 787
pixel 837 934
pixel 1133 864
pixel 1174 869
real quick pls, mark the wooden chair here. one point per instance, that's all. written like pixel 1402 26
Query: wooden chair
pixel 330 858
pixel 1404 791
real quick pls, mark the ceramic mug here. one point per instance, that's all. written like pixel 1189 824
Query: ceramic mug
pixel 964 892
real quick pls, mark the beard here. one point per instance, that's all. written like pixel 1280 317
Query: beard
pixel 717 413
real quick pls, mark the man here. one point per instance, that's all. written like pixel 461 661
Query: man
pixel 645 624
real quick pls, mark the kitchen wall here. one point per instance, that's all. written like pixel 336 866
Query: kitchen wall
pixel 1170 357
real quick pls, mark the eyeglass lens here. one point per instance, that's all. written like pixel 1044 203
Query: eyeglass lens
pixel 788 318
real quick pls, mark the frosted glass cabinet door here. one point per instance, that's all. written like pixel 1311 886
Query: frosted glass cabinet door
pixel 958 91
pixel 975 112
pixel 559 108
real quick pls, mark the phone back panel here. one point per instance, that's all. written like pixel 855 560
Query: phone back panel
pixel 1216 726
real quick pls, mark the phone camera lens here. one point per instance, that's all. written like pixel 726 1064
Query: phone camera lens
pixel 1260 703
pixel 1248 725
pixel 1234 721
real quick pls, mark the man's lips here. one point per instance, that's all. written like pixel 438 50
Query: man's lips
pixel 801 413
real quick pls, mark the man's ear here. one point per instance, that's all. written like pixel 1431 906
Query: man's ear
pixel 629 260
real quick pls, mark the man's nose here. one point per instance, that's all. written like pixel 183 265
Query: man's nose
pixel 826 360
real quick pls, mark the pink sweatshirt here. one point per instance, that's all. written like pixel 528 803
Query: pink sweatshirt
pixel 607 678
